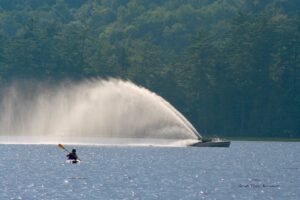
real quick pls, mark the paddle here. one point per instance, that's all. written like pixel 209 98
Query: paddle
pixel 63 147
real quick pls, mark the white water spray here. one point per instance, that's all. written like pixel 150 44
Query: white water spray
pixel 94 108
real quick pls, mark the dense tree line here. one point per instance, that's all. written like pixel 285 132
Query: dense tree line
pixel 230 66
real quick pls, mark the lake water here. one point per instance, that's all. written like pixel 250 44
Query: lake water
pixel 246 170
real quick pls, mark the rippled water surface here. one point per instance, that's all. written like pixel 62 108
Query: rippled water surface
pixel 246 170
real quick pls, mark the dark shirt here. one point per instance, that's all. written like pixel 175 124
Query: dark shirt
pixel 72 156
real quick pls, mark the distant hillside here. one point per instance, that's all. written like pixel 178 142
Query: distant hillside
pixel 231 66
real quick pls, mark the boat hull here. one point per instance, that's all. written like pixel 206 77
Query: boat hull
pixel 211 144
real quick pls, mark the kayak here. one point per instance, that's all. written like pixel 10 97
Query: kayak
pixel 72 161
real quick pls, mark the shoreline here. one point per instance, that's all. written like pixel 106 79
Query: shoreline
pixel 263 139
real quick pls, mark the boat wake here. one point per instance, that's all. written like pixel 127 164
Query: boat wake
pixel 110 108
pixel 96 141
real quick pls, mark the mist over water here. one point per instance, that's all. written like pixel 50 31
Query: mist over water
pixel 92 108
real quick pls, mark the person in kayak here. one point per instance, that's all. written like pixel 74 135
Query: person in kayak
pixel 72 155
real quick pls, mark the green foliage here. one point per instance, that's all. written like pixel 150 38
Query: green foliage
pixel 231 67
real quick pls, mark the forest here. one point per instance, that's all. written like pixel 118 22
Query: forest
pixel 232 67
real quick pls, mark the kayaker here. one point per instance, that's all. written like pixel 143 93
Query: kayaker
pixel 72 155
